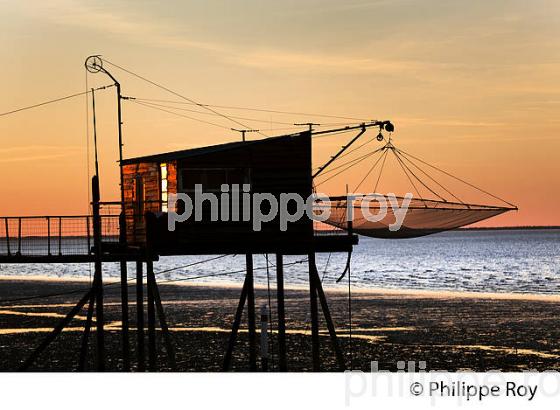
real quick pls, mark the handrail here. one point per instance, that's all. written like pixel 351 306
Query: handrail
pixel 60 235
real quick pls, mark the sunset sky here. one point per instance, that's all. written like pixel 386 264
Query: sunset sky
pixel 471 86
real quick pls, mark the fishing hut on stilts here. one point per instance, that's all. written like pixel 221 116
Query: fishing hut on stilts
pixel 139 233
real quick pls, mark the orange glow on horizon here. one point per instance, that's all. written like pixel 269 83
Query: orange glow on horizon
pixel 463 96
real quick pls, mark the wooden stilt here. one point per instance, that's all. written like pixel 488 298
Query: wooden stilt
pixel 251 315
pixel 264 338
pixel 140 318
pixel 236 323
pixel 56 331
pixel 98 277
pixel 282 357
pixel 152 353
pixel 163 322
pixel 328 319
pixel 85 336
pixel 124 318
pixel 315 354
pixel 99 322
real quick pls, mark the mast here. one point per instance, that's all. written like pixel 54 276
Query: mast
pixel 94 65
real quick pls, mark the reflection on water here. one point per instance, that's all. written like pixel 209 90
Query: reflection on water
pixel 116 325
pixel 16 331
pixel 38 314
pixel 507 350
pixel 357 333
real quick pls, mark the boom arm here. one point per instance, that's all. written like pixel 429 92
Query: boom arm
pixel 387 125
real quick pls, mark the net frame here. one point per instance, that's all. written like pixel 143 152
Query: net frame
pixel 423 216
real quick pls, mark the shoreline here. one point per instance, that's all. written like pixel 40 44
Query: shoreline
pixel 450 331
pixel 357 291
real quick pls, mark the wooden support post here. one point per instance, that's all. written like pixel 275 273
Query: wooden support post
pixel 282 356
pixel 163 322
pixel 56 331
pixel 140 317
pixel 125 324
pixel 100 322
pixel 124 317
pixel 236 323
pixel 315 353
pixel 7 236
pixel 48 236
pixel 98 277
pixel 19 237
pixel 88 235
pixel 251 315
pixel 152 354
pixel 60 236
pixel 328 319
pixel 85 336
pixel 264 338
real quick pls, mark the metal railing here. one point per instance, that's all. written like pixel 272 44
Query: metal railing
pixel 54 235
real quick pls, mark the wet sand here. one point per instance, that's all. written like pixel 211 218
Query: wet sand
pixel 448 331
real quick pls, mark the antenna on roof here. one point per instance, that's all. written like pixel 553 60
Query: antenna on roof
pixel 243 132
pixel 309 124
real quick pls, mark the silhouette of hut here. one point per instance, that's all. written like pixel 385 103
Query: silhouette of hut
pixel 234 173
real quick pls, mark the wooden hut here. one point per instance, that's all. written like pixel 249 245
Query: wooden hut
pixel 271 166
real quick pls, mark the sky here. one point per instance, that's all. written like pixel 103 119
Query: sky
pixel 472 87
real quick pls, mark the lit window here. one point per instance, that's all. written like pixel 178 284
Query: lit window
pixel 164 196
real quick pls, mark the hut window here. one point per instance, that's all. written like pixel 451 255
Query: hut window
pixel 164 194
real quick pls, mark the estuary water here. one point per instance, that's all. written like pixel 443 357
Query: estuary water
pixel 503 261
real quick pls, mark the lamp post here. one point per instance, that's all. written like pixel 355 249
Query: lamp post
pixel 94 64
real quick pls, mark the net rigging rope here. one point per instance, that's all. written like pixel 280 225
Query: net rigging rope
pixel 408 176
pixel 48 295
pixel 457 178
pixel 326 267
pixel 431 178
pixel 182 115
pixel 53 101
pixel 210 113
pixel 108 285
pixel 178 95
pixel 328 171
pixel 227 107
pixel 368 173
pixel 351 163
pixel 380 171
pixel 369 141
pixel 417 178
pixel 224 273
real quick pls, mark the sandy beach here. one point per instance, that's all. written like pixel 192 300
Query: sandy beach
pixel 448 331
